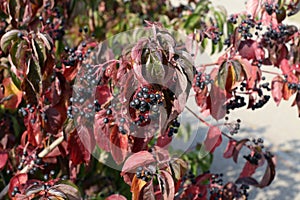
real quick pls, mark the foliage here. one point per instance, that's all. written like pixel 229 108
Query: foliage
pixel 49 127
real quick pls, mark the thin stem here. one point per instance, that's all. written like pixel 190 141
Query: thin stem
pixel 198 117
pixel 268 72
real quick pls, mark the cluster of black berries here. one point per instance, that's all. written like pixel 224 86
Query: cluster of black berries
pixel 143 174
pixel 203 80
pixel 294 86
pixel 54 22
pixel 273 34
pixel 217 36
pixel 233 19
pixel 266 86
pixel 77 55
pixel 261 102
pixel 245 26
pixel 145 101
pixel 270 9
pixel 236 128
pixel 253 159
pixel 189 176
pixel 173 129
pixel 244 190
pixel 237 102
pixel 15 191
pixel 217 179
pixel 259 142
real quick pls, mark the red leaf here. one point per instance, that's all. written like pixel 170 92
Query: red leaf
pixel 116 197
pixel 277 87
pixel 163 141
pixel 101 131
pixel 213 139
pixel 148 191
pixel 252 7
pixel 217 100
pixel 118 145
pixel 247 49
pixel 166 185
pixel 17 181
pixel 141 158
pixel 248 170
pixel 77 151
pixel 237 149
pixel 102 94
pixel 3 159
pixel 269 173
pixel 229 149
pixel 247 181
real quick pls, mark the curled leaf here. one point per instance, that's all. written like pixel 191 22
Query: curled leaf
pixel 7 39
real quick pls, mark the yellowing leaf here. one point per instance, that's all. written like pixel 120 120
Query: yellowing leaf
pixel 11 91
pixel 136 187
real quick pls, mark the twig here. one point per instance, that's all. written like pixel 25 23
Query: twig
pixel 42 154
pixel 202 120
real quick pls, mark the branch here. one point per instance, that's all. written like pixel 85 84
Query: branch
pixel 42 154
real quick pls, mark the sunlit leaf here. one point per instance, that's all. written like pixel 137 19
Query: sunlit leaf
pixel 136 187
pixel 7 39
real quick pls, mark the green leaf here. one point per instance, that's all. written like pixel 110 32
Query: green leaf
pixel 213 48
pixel 18 53
pixel 39 51
pixel 34 75
pixel 220 21
pixel 15 79
pixel 203 44
pixel 192 21
pixel 221 43
pixel 7 39
pixel 16 126
pixel 229 28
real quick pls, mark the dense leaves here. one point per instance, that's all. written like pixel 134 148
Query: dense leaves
pixel 65 94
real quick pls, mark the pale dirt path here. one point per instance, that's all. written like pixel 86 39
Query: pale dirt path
pixel 280 128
